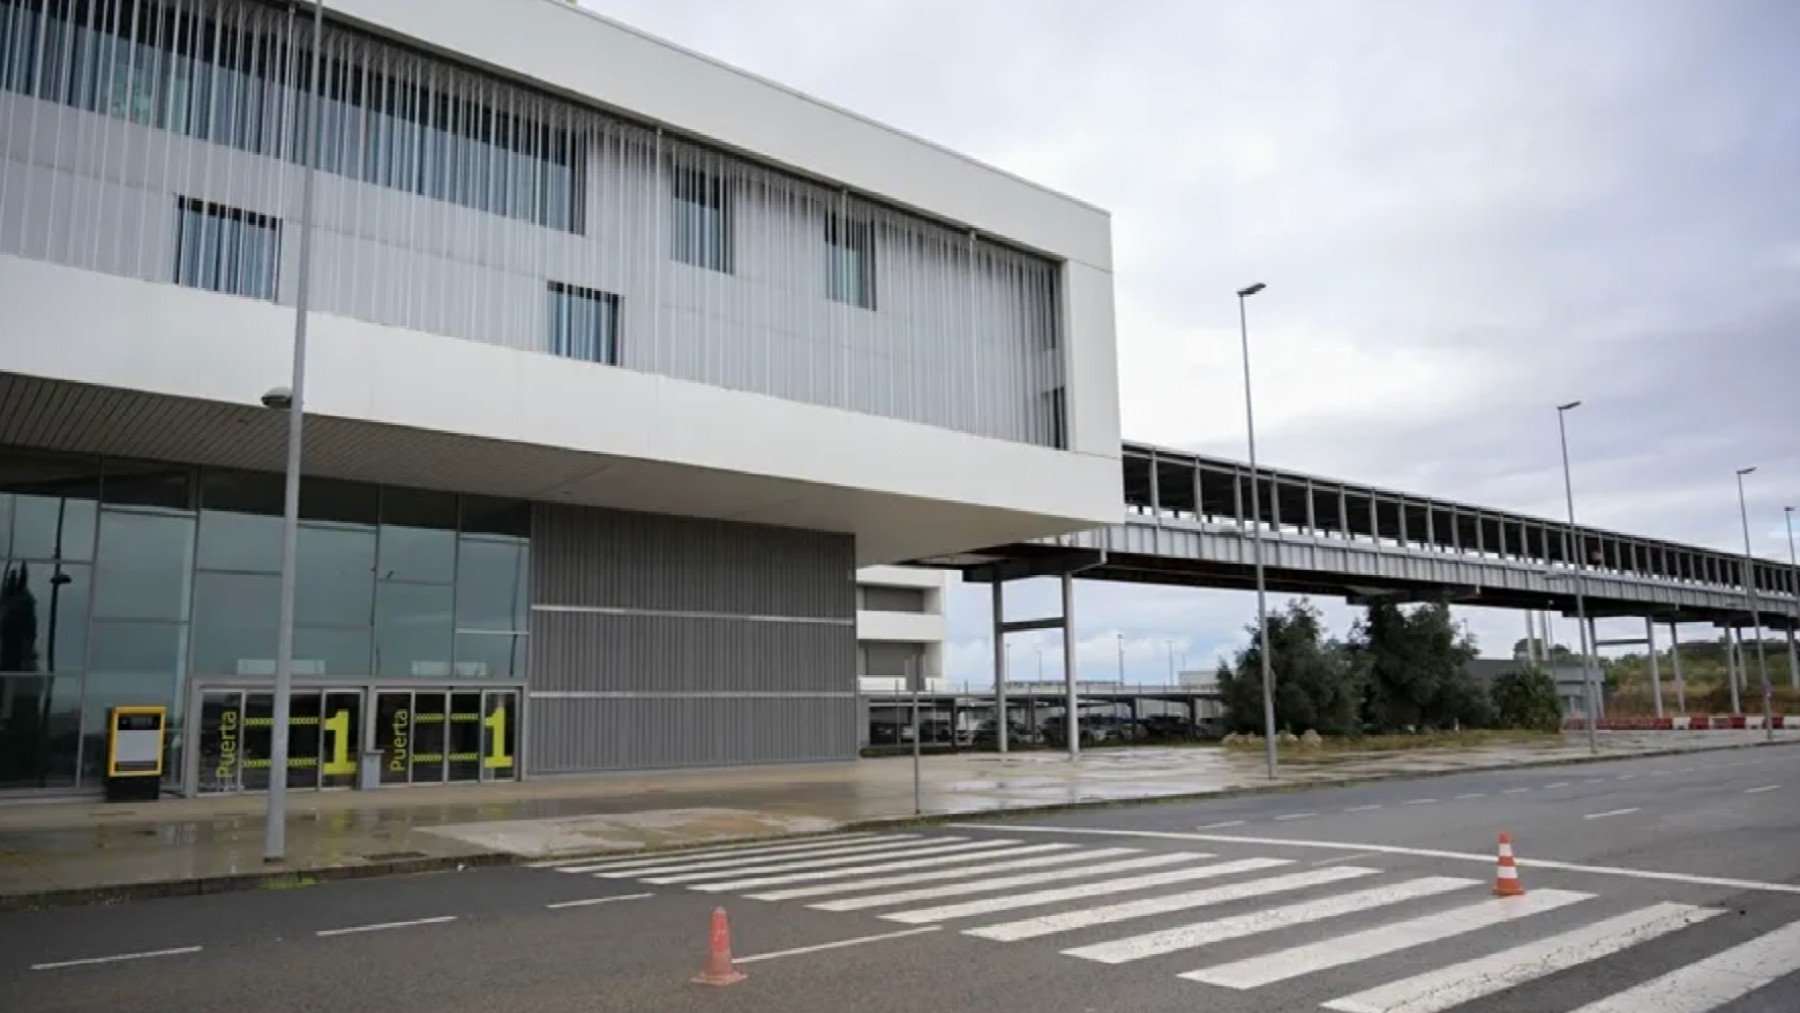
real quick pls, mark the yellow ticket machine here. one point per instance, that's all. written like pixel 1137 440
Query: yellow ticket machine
pixel 134 752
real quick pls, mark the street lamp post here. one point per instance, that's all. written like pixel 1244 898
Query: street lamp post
pixel 1762 661
pixel 1579 547
pixel 1794 589
pixel 1256 536
pixel 275 821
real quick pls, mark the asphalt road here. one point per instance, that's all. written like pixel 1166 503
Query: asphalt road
pixel 1671 884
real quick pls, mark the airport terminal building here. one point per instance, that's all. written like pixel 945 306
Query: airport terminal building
pixel 621 363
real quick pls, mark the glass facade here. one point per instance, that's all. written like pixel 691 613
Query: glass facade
pixel 124 582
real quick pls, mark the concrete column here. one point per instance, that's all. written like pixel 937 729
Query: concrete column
pixel 1732 664
pixel 1675 661
pixel 1592 666
pixel 1793 661
pixel 1071 727
pixel 1531 652
pixel 999 665
pixel 1655 664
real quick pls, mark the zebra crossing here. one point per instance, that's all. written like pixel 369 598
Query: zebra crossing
pixel 1009 891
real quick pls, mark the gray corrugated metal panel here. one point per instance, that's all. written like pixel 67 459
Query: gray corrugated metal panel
pixel 587 556
pixel 954 337
pixel 585 734
pixel 596 651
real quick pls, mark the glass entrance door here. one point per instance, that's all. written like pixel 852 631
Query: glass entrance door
pixel 424 736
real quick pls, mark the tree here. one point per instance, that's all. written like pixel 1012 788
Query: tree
pixel 1315 685
pixel 1414 666
pixel 1526 698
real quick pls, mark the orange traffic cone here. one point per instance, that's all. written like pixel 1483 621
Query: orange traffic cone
pixel 1506 878
pixel 718 970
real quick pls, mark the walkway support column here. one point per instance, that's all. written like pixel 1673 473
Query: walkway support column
pixel 1071 727
pixel 1596 678
pixel 1675 662
pixel 1734 664
pixel 1000 672
pixel 1655 665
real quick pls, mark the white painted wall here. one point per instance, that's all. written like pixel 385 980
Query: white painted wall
pixel 723 453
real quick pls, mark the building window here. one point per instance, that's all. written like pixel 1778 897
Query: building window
pixel 850 261
pixel 1056 410
pixel 700 219
pixel 890 599
pixel 226 249
pixel 584 324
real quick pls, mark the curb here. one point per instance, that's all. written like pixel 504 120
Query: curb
pixel 236 882
pixel 201 885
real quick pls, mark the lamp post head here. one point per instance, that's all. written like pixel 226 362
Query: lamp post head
pixel 1249 290
pixel 1566 407
pixel 1746 471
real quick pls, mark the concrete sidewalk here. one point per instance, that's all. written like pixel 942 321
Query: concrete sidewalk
pixel 70 851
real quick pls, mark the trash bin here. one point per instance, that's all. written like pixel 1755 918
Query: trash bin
pixel 368 771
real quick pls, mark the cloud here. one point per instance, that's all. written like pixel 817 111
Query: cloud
pixel 1465 212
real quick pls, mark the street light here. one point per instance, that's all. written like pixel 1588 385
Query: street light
pixel 1794 589
pixel 275 822
pixel 1578 545
pixel 1762 661
pixel 1256 537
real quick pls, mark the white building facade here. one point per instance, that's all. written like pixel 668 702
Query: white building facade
pixel 621 363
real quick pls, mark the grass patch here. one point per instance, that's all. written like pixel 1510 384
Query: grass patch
pixel 1338 745
pixel 293 881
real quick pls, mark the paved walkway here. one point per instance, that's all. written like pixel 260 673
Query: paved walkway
pixel 183 845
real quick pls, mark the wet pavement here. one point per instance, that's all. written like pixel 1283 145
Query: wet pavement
pixel 86 844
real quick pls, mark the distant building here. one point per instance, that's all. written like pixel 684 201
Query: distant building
pixel 900 629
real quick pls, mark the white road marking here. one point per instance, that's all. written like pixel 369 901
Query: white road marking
pixel 628 861
pixel 1352 809
pixel 173 951
pixel 1713 982
pixel 1595 780
pixel 1007 882
pixel 1661 773
pixel 1392 849
pixel 798 865
pixel 1613 812
pixel 671 865
pixel 863 870
pixel 961 872
pixel 1559 784
pixel 1294 816
pixel 1197 934
pixel 591 901
pixel 837 945
pixel 1359 856
pixel 1470 980
pixel 1758 791
pixel 1419 801
pixel 384 926
pixel 1064 921
pixel 1473 794
pixel 1624 777
pixel 1515 791
pixel 1221 826
pixel 1383 939
pixel 1010 902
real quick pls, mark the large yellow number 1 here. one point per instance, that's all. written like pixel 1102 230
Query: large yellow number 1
pixel 497 758
pixel 340 762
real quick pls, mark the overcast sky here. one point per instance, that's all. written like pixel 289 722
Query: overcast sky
pixel 1465 213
